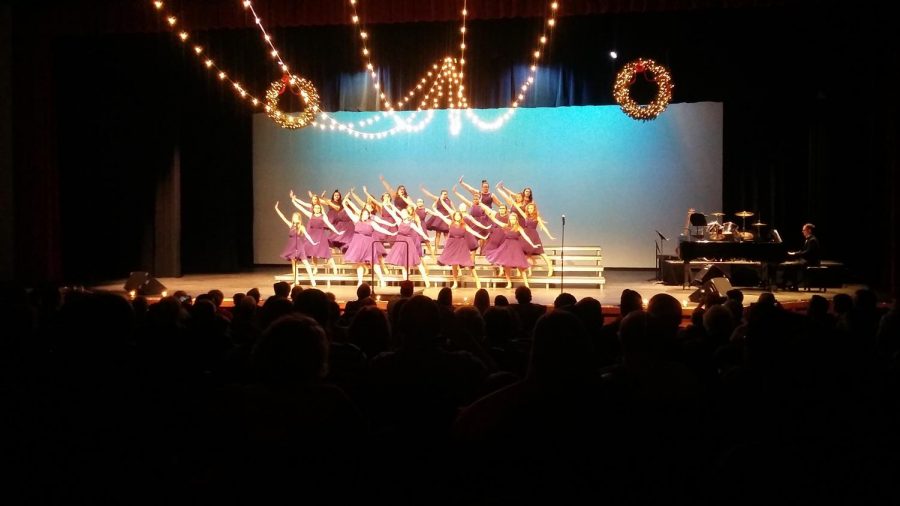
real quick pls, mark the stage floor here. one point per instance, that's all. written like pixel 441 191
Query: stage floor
pixel 616 280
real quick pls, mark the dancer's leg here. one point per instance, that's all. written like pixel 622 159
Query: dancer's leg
pixel 424 274
pixel 309 271
pixel 379 274
pixel 549 264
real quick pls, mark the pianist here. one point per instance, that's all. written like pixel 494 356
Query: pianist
pixel 808 256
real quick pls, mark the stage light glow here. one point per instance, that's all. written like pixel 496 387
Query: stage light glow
pixel 613 55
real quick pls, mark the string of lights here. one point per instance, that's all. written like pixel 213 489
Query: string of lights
pixel 447 84
pixel 536 55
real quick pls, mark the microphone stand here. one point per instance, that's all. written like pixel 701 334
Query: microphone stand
pixel 562 256
pixel 659 250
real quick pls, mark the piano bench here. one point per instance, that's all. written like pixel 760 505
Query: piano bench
pixel 823 277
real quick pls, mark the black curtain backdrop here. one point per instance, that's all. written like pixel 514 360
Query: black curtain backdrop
pixel 810 127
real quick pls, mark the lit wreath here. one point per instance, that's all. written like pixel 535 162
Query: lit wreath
pixel 300 87
pixel 625 78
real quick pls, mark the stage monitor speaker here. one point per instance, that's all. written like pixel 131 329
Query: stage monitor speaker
pixel 715 286
pixel 144 284
pixel 707 273
pixel 135 280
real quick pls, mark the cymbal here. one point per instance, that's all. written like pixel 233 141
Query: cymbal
pixel 758 224
pixel 717 214
pixel 744 214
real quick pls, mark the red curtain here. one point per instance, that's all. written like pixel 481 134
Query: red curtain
pixel 140 16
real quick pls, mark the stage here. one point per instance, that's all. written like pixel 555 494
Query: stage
pixel 642 280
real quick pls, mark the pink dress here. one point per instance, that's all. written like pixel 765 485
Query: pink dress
pixel 530 227
pixel 359 251
pixel 398 253
pixel 510 254
pixel 295 247
pixel 319 233
pixel 497 236
pixel 456 248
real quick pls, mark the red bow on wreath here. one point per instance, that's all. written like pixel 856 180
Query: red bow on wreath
pixel 286 82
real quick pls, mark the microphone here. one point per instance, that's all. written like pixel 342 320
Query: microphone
pixel 664 238
pixel 564 219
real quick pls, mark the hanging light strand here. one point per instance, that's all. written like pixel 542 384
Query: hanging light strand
pixel 538 52
pixel 184 36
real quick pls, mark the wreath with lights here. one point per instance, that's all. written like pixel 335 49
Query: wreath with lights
pixel 626 77
pixel 299 86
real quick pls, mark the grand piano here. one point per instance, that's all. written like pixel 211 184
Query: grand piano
pixel 763 253
pixel 768 252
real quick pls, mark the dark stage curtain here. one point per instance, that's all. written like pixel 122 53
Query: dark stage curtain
pixel 102 121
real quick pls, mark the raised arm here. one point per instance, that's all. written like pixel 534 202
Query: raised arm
pixel 331 203
pixel 305 211
pixel 503 193
pixel 525 236
pixel 428 193
pixel 467 186
pixel 476 234
pixel 460 196
pixel 493 216
pixel 308 237
pixel 439 215
pixel 449 208
pixel 283 217
pixel 387 187
pixel 471 219
pixel 393 212
pixel 359 201
pixel 408 201
pixel 298 202
pixel 352 210
pixel 542 224
pixel 415 226
pixel 329 225
pixel 376 226
pixel 369 195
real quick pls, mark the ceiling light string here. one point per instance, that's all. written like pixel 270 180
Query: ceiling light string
pixel 546 31
pixel 200 52
pixel 276 54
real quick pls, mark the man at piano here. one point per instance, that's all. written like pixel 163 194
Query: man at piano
pixel 808 256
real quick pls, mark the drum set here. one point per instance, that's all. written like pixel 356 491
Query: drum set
pixel 728 231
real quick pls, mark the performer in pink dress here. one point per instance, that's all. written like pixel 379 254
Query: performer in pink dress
pixel 408 231
pixel 531 224
pixel 439 206
pixel 511 255
pixel 318 228
pixel 363 246
pixel 456 250
pixel 295 249
pixel 499 220
pixel 400 197
pixel 338 217
pixel 484 194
